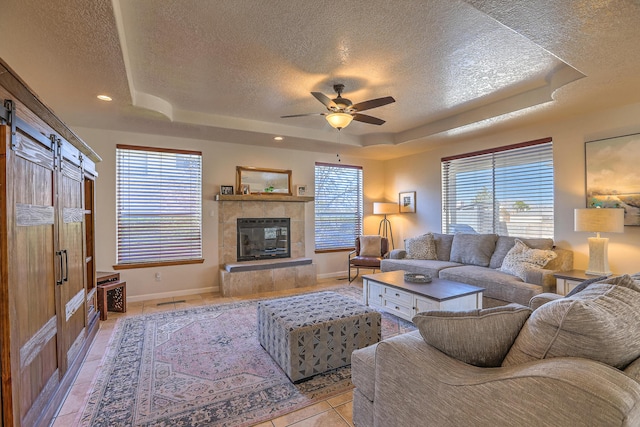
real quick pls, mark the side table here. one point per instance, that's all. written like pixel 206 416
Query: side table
pixel 567 280
pixel 112 293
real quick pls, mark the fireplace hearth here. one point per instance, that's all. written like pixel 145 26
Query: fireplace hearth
pixel 263 238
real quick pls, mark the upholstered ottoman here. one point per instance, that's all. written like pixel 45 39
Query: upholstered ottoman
pixel 310 334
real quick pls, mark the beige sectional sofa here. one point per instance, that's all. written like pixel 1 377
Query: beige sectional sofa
pixel 476 259
pixel 572 361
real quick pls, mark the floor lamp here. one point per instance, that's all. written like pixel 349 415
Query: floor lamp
pixel 599 220
pixel 381 208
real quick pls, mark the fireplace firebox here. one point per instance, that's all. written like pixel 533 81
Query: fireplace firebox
pixel 263 238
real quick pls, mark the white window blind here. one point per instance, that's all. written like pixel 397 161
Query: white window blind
pixel 338 206
pixel 159 205
pixel 507 191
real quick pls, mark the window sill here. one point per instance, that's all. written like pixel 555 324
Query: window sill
pixel 326 251
pixel 157 264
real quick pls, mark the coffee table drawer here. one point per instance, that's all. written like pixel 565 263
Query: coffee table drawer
pixel 400 310
pixel 398 296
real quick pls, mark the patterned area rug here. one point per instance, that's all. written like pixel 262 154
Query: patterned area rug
pixel 203 367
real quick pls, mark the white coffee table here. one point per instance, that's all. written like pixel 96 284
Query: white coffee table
pixel 390 292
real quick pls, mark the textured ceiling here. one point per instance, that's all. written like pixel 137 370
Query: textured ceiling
pixel 227 70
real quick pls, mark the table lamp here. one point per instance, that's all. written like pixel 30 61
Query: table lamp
pixel 383 208
pixel 599 220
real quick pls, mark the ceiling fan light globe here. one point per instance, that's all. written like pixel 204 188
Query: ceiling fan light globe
pixel 339 120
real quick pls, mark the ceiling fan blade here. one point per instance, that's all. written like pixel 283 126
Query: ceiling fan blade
pixel 373 103
pixel 324 99
pixel 302 115
pixel 367 119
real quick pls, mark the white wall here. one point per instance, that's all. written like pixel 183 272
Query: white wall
pixel 219 168
pixel 422 173
pixel 382 182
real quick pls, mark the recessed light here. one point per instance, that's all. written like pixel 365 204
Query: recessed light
pixel 278 138
pixel 104 98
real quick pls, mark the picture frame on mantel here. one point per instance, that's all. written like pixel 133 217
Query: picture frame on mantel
pixel 301 190
pixel 226 190
pixel 611 175
pixel 407 202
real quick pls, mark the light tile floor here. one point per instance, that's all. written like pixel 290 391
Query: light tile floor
pixel 333 412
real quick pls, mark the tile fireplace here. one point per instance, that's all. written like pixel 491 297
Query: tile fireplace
pixel 265 272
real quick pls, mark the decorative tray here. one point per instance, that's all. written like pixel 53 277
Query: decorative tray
pixel 417 278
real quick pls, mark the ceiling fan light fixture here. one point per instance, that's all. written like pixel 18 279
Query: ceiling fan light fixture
pixel 339 120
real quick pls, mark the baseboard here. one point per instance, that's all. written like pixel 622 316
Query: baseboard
pixel 338 274
pixel 180 293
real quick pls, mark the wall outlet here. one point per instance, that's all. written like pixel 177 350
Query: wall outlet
pixel 158 277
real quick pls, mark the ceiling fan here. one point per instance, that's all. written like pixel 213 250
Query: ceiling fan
pixel 341 111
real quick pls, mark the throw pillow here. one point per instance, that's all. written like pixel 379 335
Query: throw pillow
pixel 370 246
pixel 505 243
pixel 521 258
pixel 625 280
pixel 443 245
pixel 600 323
pixel 477 337
pixel 421 247
pixel 473 249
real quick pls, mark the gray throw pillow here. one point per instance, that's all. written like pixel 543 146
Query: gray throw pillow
pixel 602 323
pixel 443 246
pixel 477 337
pixel 625 280
pixel 421 247
pixel 473 249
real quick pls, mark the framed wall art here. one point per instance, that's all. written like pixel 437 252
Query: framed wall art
pixel 407 202
pixel 612 175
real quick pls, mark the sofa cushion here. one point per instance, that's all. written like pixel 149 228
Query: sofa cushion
pixel 505 243
pixel 443 246
pixel 421 247
pixel 498 285
pixel 601 323
pixel 522 258
pixel 419 266
pixel 370 246
pixel 477 337
pixel 474 249
pixel 633 370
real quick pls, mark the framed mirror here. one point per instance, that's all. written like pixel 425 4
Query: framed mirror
pixel 250 180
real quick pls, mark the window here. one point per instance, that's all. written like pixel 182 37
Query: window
pixel 338 203
pixel 507 191
pixel 159 206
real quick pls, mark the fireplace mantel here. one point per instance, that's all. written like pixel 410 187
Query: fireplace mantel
pixel 262 198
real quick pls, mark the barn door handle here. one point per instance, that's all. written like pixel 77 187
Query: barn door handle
pixel 66 265
pixel 59 256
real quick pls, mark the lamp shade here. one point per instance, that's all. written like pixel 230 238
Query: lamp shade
pixel 339 120
pixel 382 208
pixel 599 220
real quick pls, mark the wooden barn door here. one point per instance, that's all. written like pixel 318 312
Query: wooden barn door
pixel 30 363
pixel 70 189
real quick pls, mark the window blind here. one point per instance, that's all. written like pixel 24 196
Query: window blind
pixel 338 206
pixel 508 191
pixel 159 205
